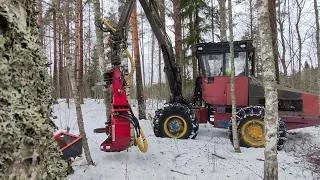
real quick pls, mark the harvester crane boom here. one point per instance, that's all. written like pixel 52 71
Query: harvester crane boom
pixel 171 68
pixel 119 38
pixel 118 126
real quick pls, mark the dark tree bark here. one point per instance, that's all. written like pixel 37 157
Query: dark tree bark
pixel 177 31
pixel 139 84
pixel 80 76
pixel 67 51
pixel 281 19
pixel 61 69
pixel 163 20
pixel 273 24
pixel 56 93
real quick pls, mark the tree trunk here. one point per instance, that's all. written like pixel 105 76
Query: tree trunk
pixel 61 82
pixel 139 85
pixel 223 21
pixel 56 93
pixel 251 19
pixel 67 51
pixel 233 97
pixel 102 64
pixel 163 20
pixel 40 22
pixel 281 18
pixel 290 33
pixel 212 20
pixel 271 95
pixel 177 31
pixel 80 67
pixel 75 87
pixel 152 57
pixel 273 24
pixel 297 25
pixel 88 72
pixel 317 42
pixel 99 37
pixel 142 53
pixel 28 150
pixel 192 25
pixel 76 84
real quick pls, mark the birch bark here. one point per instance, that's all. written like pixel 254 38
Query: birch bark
pixel 271 95
pixel 233 97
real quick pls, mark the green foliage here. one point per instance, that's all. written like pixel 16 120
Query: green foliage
pixel 191 10
pixel 27 148
pixel 194 13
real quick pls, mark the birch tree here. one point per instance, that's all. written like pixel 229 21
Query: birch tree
pixel 233 97
pixel 27 147
pixel 271 95
pixel 75 86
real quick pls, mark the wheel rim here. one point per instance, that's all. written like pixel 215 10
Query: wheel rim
pixel 253 133
pixel 175 126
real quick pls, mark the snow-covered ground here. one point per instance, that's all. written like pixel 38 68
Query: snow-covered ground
pixel 209 156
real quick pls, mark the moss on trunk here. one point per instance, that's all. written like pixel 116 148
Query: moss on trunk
pixel 27 148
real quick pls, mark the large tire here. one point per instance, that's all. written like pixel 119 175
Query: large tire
pixel 175 120
pixel 255 115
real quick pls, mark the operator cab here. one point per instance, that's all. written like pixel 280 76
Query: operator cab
pixel 215 68
pixel 214 59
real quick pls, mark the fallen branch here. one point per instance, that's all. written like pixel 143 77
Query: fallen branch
pixel 178 156
pixel 260 159
pixel 218 156
pixel 180 172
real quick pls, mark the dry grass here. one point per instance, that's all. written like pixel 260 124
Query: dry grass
pixel 301 145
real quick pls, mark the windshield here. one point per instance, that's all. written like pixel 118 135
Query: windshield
pixel 239 63
pixel 220 65
pixel 213 64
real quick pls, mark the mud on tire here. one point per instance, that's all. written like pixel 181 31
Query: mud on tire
pixel 181 112
pixel 254 112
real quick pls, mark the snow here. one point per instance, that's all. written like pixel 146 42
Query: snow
pixel 209 156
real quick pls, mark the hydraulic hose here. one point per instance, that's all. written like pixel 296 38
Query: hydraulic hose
pixel 143 148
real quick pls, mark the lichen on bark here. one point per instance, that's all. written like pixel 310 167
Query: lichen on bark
pixel 27 147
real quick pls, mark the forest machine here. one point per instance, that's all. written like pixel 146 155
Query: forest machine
pixel 211 103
